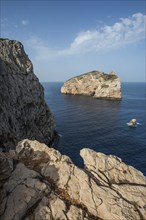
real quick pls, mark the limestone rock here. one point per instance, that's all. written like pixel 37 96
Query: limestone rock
pixel 45 185
pixel 96 84
pixel 23 111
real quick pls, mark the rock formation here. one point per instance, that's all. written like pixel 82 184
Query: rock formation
pixel 96 84
pixel 23 111
pixel 39 183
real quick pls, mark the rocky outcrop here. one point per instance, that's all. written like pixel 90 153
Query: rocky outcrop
pixel 23 111
pixel 96 84
pixel 37 182
pixel 40 183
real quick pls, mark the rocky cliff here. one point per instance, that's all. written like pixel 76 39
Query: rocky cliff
pixel 37 182
pixel 96 84
pixel 23 111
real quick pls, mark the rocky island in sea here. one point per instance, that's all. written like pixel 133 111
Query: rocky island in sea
pixel 36 181
pixel 96 84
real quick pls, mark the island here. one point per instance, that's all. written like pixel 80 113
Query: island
pixel 36 180
pixel 96 84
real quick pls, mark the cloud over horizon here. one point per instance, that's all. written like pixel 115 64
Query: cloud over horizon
pixel 126 31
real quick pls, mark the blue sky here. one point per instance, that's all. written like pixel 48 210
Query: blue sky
pixel 67 38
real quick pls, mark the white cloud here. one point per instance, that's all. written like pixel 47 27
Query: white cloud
pixel 41 49
pixel 25 22
pixel 127 31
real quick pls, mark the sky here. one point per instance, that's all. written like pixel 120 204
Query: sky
pixel 64 39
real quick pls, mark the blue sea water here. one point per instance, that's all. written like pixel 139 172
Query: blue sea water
pixel 85 122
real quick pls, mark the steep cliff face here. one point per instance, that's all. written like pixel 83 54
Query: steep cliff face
pixel 96 84
pixel 37 182
pixel 23 111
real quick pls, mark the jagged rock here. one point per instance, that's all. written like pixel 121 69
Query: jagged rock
pixel 6 167
pixel 23 111
pixel 46 185
pixel 96 84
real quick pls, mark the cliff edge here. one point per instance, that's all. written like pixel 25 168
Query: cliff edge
pixel 37 182
pixel 96 84
pixel 23 111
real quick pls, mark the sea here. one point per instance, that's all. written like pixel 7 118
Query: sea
pixel 86 122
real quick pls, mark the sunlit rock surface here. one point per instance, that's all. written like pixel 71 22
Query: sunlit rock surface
pixel 40 183
pixel 96 84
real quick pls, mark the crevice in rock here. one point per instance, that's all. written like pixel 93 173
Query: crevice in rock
pixel 128 183
pixel 65 213
pixel 66 198
pixel 90 173
pixel 130 202
pixel 69 178
pixel 63 195
pixel 118 193
pixel 51 214
pixel 31 209
pixel 96 180
pixel 92 193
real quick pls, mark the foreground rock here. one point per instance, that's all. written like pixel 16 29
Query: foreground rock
pixel 39 183
pixel 23 111
pixel 96 84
